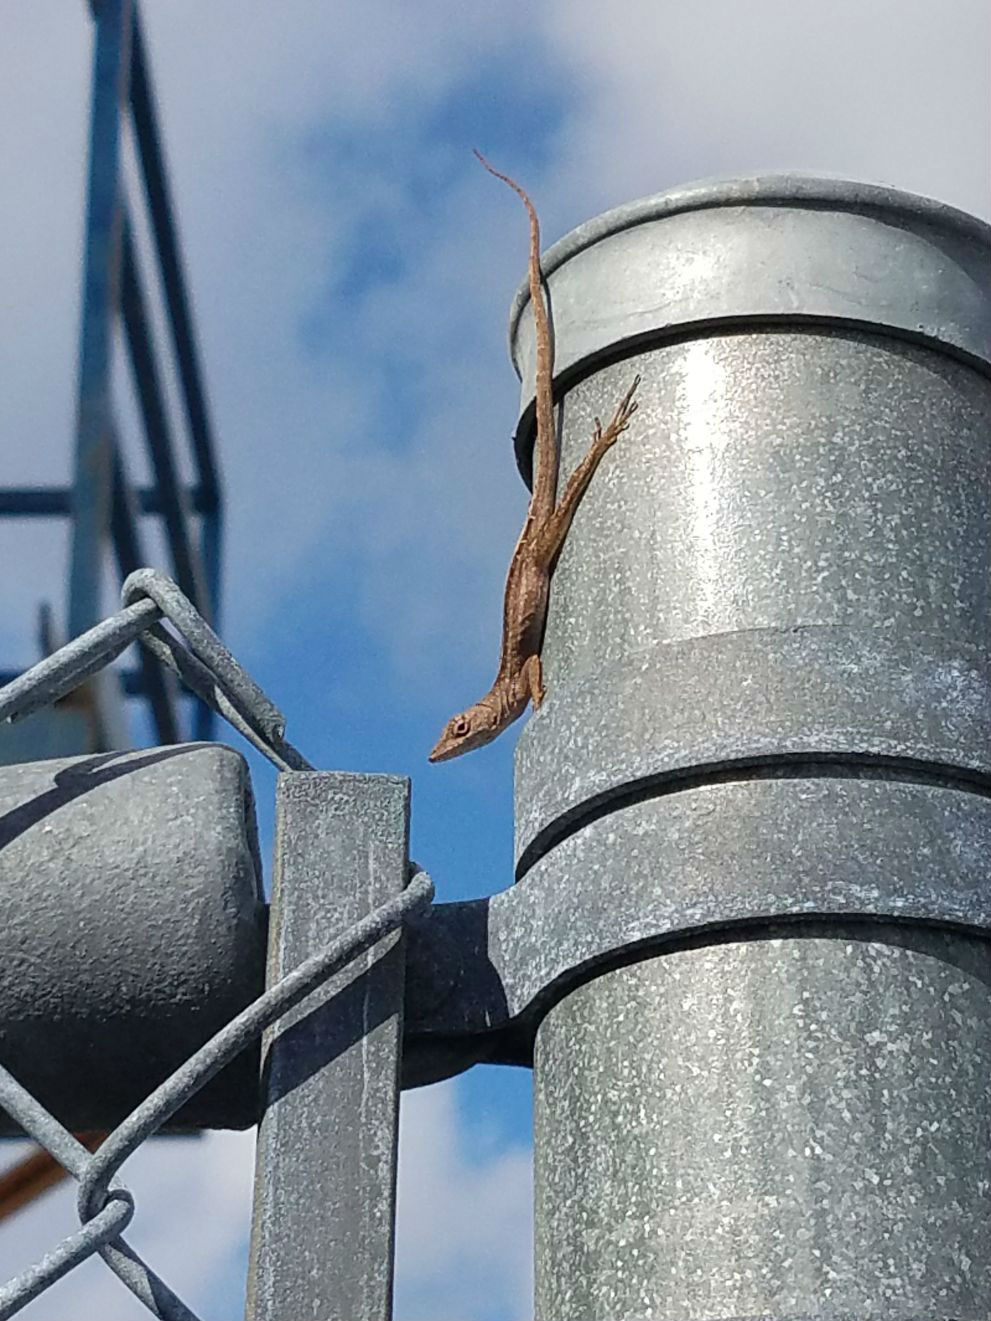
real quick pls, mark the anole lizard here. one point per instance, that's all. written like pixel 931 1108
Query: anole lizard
pixel 519 679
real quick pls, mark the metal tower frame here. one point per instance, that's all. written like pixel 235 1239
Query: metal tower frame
pixel 102 502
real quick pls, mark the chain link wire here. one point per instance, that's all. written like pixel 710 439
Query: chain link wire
pixel 203 663
pixel 197 656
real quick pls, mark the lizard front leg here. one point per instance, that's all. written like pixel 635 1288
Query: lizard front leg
pixel 551 537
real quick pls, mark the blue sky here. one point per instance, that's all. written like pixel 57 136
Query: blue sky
pixel 352 269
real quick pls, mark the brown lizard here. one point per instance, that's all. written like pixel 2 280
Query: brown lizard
pixel 519 679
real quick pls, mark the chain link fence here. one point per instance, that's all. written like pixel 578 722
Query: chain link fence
pixel 201 661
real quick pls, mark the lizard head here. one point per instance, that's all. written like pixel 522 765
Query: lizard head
pixel 471 729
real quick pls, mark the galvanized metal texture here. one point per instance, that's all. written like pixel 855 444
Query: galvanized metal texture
pixel 98 1200
pixel 480 974
pixel 134 927
pixel 735 703
pixel 57 675
pixel 767 663
pixel 776 249
pixel 206 666
pixel 831 491
pixel 789 1126
pixel 97 1234
pixel 325 1166
pixel 209 669
pixel 115 822
pixel 280 998
pixel 795 842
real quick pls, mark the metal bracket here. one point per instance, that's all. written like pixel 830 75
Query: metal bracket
pixel 481 975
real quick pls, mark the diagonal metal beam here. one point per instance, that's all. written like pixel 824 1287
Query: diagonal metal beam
pixel 155 177
pixel 161 449
pixel 157 684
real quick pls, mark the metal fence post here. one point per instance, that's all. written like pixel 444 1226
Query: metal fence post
pixel 771 615
pixel 324 1208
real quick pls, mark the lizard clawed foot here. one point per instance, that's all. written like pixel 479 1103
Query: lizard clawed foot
pixel 621 418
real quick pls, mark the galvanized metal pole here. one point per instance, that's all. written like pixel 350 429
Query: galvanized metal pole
pixel 774 604
pixel 324 1207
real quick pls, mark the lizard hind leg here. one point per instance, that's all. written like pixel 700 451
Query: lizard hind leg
pixel 533 679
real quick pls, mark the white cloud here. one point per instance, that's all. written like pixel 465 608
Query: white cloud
pixel 463 1225
pixel 894 91
pixel 193 1208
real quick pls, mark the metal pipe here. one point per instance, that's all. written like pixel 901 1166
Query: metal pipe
pixel 134 928
pixel 157 428
pixel 56 501
pixel 93 468
pixel 760 628
pixel 154 176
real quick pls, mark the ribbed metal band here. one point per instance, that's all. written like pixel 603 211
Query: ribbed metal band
pixel 775 249
pixel 682 712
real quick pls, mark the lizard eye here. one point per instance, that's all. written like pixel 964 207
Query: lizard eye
pixel 460 727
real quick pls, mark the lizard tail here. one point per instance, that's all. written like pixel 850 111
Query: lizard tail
pixel 545 464
pixel 536 292
pixel 520 192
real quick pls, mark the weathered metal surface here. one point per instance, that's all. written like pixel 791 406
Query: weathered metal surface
pixel 767 664
pixel 794 1126
pixel 798 842
pixel 769 482
pixel 771 250
pixel 133 928
pixel 734 702
pixel 192 652
pixel 105 1207
pixel 322 1239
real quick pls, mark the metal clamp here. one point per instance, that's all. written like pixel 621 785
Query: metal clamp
pixel 481 975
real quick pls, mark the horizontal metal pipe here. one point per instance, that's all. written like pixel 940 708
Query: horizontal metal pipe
pixel 56 501
pixel 134 927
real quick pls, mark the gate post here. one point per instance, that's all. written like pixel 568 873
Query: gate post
pixel 770 623
pixel 325 1170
